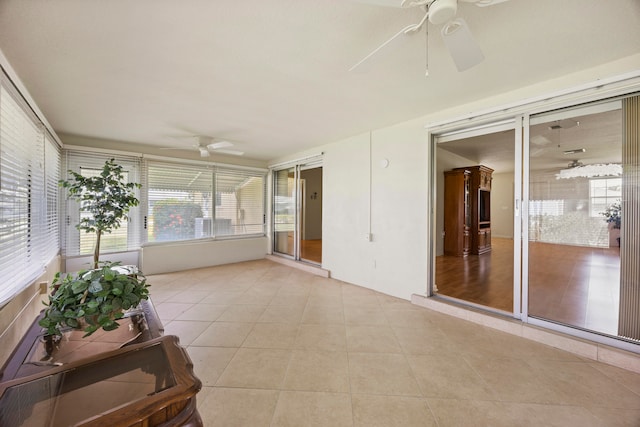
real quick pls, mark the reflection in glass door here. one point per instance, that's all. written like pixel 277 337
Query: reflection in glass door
pixel 310 224
pixel 285 212
pixel 297 206
pixel 575 192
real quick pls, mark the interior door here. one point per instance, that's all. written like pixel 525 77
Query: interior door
pixel 310 234
pixel 284 211
pixel 573 252
pixel 477 192
pixel 297 218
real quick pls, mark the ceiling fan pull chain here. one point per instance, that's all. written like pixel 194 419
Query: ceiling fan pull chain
pixel 426 51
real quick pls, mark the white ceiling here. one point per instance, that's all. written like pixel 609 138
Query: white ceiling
pixel 272 74
pixel 598 134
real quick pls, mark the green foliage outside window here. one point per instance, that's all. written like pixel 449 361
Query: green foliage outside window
pixel 613 213
pixel 175 220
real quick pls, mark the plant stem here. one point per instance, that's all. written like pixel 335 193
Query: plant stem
pixel 84 296
pixel 96 251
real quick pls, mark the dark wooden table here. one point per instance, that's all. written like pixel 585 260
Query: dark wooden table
pixel 132 376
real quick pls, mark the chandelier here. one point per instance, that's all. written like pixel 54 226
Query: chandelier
pixel 578 170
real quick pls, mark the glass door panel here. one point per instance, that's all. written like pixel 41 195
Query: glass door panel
pixel 575 179
pixel 284 211
pixel 310 214
pixel 475 217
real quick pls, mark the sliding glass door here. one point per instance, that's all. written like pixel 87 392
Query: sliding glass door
pixel 583 227
pixel 297 212
pixel 476 179
pixel 539 218
pixel 284 211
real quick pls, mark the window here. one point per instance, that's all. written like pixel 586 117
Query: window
pixel 29 167
pixel 187 201
pixel 602 193
pixel 50 213
pixel 240 197
pixel 125 238
pixel 179 202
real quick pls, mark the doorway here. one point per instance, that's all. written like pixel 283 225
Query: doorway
pixel 475 181
pixel 562 224
pixel 574 254
pixel 297 212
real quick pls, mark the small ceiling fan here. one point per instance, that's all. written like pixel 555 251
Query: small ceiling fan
pixel 454 30
pixel 207 145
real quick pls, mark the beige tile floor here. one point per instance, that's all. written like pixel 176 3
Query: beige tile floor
pixel 275 346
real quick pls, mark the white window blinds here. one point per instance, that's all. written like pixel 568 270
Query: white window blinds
pixel 27 242
pixel 240 202
pixel 179 199
pixel 125 238
pixel 187 201
pixel 52 161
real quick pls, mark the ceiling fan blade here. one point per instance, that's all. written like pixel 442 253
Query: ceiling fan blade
pixel 397 3
pixel 232 152
pixel 219 144
pixel 484 3
pixel 386 3
pixel 461 45
pixel 362 65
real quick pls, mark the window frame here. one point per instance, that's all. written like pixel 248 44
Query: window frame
pixel 29 197
pixel 215 173
pixel 77 160
pixel 607 199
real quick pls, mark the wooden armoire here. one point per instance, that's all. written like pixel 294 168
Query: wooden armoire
pixel 467 211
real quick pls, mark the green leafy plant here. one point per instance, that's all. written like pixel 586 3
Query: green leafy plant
pixel 613 213
pixel 97 298
pixel 93 299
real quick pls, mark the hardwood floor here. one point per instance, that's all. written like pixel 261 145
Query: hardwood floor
pixel 567 284
pixel 311 250
pixel 485 279
pixel 575 285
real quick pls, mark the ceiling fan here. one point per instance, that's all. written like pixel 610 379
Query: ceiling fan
pixel 454 30
pixel 207 145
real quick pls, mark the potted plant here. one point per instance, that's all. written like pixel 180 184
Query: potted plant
pixel 97 298
pixel 613 215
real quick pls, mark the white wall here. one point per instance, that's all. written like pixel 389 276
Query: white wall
pixel 18 314
pixel 74 264
pixel 164 258
pixel 362 197
pixel 502 197
pixel 312 206
pixel 394 201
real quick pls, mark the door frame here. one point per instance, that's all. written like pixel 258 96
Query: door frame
pixel 444 134
pixel 299 204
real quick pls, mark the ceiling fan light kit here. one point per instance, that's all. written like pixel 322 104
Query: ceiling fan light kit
pixel 576 169
pixel 463 48
pixel 457 37
pixel 442 11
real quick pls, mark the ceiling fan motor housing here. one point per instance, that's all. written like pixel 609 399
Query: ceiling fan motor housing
pixel 442 11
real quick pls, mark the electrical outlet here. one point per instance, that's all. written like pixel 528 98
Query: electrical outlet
pixel 43 287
